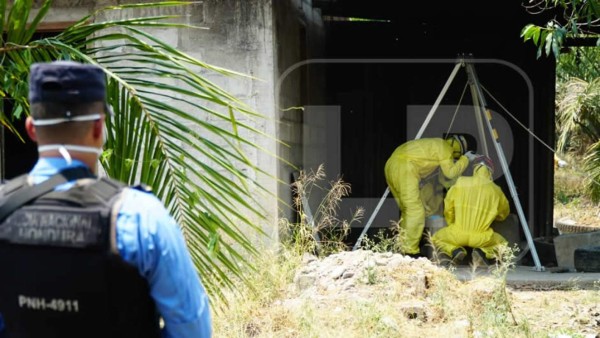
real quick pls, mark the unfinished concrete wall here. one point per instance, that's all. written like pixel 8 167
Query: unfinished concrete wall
pixel 239 37
pixel 299 37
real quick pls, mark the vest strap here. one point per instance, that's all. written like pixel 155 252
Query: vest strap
pixel 28 194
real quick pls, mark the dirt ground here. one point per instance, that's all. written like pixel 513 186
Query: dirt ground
pixel 577 310
pixel 427 299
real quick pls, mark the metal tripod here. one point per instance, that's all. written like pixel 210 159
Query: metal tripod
pixel 482 113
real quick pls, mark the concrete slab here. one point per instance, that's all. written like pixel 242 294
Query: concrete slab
pixel 525 277
pixel 509 229
pixel 566 244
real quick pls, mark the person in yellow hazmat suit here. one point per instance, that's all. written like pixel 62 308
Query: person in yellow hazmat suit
pixel 412 162
pixel 470 207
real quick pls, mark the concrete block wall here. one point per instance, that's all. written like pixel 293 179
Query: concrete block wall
pixel 299 36
pixel 239 36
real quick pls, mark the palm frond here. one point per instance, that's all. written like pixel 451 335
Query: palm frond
pixel 592 168
pixel 578 111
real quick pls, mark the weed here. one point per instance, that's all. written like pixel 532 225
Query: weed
pixel 596 285
pixel 371 275
pixel 440 296
pixel 244 314
pixel 573 284
pixel 319 231
pixel 382 241
pixel 437 257
pixel 370 270
pixel 497 312
pixel 561 197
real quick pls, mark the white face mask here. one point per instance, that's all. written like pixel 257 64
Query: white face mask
pixel 63 149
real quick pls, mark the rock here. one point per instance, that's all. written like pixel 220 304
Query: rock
pixel 349 286
pixel 414 310
pixel 337 272
pixel 389 322
pixel 308 258
pixel 381 261
pixel 348 274
pixel 304 282
pixel 340 274
pixel 398 260
pixel 583 320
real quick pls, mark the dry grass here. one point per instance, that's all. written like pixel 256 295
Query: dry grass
pixel 416 300
pixel 319 230
pixel 253 310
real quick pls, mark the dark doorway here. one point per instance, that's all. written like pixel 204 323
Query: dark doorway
pixel 18 155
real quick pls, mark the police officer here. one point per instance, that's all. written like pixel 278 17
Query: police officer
pixel 82 256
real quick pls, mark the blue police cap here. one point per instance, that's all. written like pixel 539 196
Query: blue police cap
pixel 66 82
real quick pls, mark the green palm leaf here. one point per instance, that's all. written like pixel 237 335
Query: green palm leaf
pixel 578 111
pixel 173 129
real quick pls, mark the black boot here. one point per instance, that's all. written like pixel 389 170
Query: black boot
pixel 458 255
pixel 479 258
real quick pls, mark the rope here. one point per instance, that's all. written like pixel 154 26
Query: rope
pixel 582 174
pixel 457 106
pixel 519 122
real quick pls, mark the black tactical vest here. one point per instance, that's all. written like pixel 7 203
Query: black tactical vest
pixel 60 273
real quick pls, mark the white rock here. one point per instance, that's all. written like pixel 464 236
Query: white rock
pixel 389 323
pixel 337 272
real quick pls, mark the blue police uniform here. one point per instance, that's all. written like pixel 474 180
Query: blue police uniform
pixel 149 238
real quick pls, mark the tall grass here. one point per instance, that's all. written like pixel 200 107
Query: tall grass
pixel 257 310
pixel 318 231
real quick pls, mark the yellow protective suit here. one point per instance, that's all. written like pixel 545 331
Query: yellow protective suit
pixel 432 197
pixel 470 207
pixel 409 163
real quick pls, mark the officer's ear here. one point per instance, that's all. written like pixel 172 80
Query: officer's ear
pixel 30 128
pixel 97 129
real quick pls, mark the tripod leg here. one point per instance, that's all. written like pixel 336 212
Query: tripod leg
pixel 368 225
pixel 505 169
pixel 439 99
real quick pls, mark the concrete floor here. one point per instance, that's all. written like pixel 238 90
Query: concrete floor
pixel 526 277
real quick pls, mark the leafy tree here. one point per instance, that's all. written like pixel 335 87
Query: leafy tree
pixel 578 99
pixel 570 19
pixel 180 137
pixel 578 76
pixel 578 110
